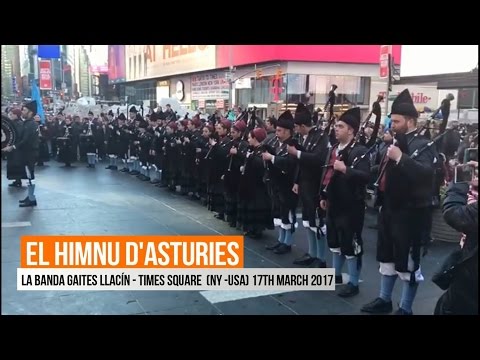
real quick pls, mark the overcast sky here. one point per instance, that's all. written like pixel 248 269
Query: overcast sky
pixel 438 59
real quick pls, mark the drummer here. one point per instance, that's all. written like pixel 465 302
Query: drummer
pixel 65 143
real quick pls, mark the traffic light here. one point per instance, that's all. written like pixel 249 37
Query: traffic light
pixel 259 74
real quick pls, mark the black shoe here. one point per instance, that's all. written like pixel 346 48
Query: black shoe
pixel 273 246
pixel 282 249
pixel 16 183
pixel 134 172
pixel 155 181
pixel 255 235
pixel 114 167
pixel 220 216
pixel 108 167
pixel 378 306
pixel 317 263
pixel 400 311
pixel 232 224
pixel 348 290
pixel 124 170
pixel 22 201
pixel 304 260
pixel 146 178
pixel 28 203
pixel 338 279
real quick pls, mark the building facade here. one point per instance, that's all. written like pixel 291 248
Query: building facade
pixel 11 71
pixel 270 77
pixel 82 72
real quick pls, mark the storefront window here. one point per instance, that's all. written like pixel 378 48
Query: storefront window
pixel 143 91
pixel 351 91
pixel 244 97
pixel 296 88
pixel 262 92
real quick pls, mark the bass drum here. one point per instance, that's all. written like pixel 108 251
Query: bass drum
pixel 9 134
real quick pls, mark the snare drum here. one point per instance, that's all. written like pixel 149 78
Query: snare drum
pixel 84 138
pixel 63 141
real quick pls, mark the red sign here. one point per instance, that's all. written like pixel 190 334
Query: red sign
pixel 385 50
pixel 45 74
pixel 276 87
pixel 220 104
pixel 251 54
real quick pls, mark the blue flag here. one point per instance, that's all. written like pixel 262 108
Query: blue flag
pixel 36 96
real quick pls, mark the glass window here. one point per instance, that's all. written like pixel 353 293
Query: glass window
pixel 296 84
pixel 351 91
pixel 244 97
pixel 262 92
pixel 296 88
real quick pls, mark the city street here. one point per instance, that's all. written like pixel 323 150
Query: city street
pixel 84 201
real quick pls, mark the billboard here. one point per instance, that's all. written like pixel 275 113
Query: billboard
pixel 385 50
pixel 151 61
pixel 251 54
pixel 116 64
pixel 45 74
pixel 49 51
pixel 99 69
pixel 210 86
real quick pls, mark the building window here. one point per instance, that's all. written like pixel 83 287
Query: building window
pixel 296 88
pixel 143 91
pixel 244 97
pixel 262 92
pixel 351 91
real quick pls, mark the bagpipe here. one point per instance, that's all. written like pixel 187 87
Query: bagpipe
pixel 215 137
pixel 342 154
pixel 403 145
pixel 269 146
pixel 236 144
pixel 418 152
pixel 358 139
pixel 399 140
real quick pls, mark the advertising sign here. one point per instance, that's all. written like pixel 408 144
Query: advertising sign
pixel 45 75
pixel 116 64
pixel 49 51
pixel 150 61
pixel 210 86
pixel 385 50
pixel 236 55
